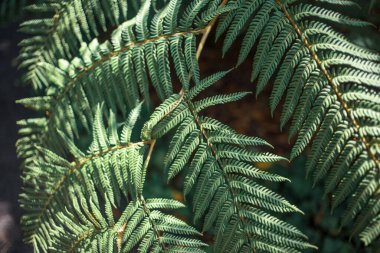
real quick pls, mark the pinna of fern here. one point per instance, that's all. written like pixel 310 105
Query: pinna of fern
pixel 59 29
pixel 332 95
pixel 227 197
pixel 96 203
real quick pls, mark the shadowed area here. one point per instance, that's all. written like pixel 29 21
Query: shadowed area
pixel 10 182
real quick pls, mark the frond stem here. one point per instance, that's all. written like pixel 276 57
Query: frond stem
pixel 102 153
pixel 80 239
pixel 207 31
pixel 153 223
pixel 149 155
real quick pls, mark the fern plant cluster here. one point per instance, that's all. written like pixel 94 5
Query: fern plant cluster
pixel 99 67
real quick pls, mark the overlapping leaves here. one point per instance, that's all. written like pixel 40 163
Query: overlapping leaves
pixel 331 88
pixel 137 55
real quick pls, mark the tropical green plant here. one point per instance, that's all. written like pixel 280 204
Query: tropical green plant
pixel 133 63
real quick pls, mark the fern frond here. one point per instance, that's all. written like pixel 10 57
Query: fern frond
pixel 331 96
pixel 71 206
pixel 221 173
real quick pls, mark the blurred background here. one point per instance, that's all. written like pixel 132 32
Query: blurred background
pixel 250 116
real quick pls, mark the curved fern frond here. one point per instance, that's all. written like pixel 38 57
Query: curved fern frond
pixel 332 98
pixel 96 202
pixel 222 175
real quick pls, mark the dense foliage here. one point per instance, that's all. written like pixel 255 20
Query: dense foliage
pixel 114 78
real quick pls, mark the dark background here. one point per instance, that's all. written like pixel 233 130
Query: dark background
pixel 249 116
pixel 10 182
